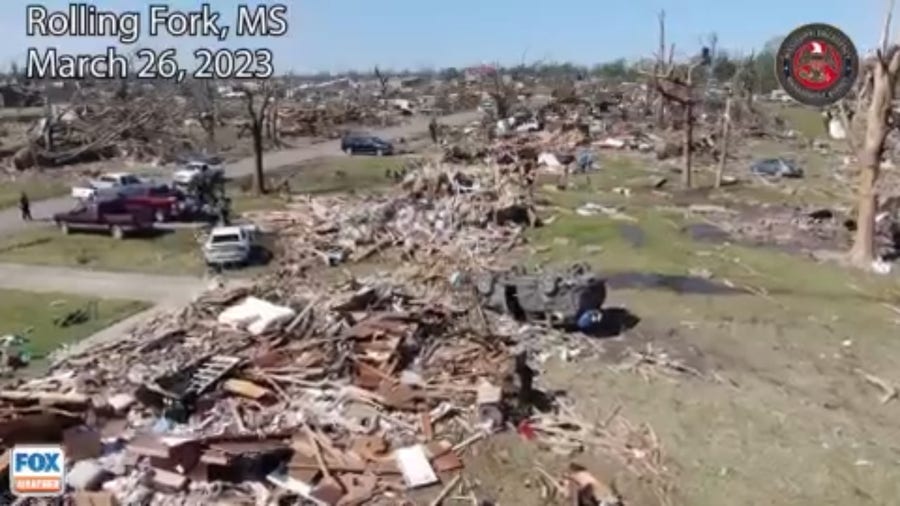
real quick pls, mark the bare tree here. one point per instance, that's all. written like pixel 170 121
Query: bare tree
pixel 258 99
pixel 502 94
pixel 723 144
pixel 744 81
pixel 712 43
pixel 383 81
pixel 209 112
pixel 876 92
pixel 740 88
pixel 660 65
pixel 677 86
pixel 272 123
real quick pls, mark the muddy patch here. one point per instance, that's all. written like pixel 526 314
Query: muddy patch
pixel 707 232
pixel 633 234
pixel 689 285
pixel 659 346
pixel 789 229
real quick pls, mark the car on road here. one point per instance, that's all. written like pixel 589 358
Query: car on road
pixel 198 168
pixel 776 167
pixel 111 185
pixel 359 144
pixel 112 216
pixel 230 245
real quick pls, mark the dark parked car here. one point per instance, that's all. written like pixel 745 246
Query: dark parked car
pixel 777 167
pixel 111 215
pixel 354 144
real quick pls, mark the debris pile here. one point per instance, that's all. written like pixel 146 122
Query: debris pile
pixel 92 129
pixel 329 119
pixel 554 132
pixel 339 395
pixel 457 214
pixel 808 230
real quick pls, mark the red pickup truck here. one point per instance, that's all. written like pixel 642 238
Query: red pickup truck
pixel 163 202
pixel 112 216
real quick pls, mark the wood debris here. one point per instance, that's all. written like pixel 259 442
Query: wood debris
pixel 373 385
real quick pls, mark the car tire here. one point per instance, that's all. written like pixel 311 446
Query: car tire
pixel 117 232
pixel 64 228
pixel 349 151
pixel 379 152
pixel 160 216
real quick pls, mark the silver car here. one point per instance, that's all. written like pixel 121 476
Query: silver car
pixel 229 245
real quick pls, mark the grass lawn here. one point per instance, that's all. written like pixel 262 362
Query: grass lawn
pixel 32 315
pixel 243 201
pixel 806 120
pixel 785 404
pixel 340 174
pixel 35 187
pixel 169 253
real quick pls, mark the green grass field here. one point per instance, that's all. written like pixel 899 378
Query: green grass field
pixel 783 403
pixel 169 253
pixel 326 175
pixel 32 315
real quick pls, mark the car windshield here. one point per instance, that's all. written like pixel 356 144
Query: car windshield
pixel 222 238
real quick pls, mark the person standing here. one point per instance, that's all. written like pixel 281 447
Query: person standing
pixel 25 207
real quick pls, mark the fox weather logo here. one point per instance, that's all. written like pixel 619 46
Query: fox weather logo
pixel 37 471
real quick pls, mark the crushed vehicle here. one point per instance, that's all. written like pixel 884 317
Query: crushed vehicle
pixel 111 186
pixel 230 246
pixel 358 144
pixel 113 216
pixel 199 168
pixel 776 167
pixel 562 298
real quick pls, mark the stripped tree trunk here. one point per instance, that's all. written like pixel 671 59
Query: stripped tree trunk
pixel 687 175
pixel 660 65
pixel 863 252
pixel 723 145
pixel 882 74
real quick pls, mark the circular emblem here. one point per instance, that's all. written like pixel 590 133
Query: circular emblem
pixel 817 64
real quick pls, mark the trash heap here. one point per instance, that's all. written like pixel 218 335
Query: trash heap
pixel 302 388
pixel 359 393
pixel 328 118
pixel 463 215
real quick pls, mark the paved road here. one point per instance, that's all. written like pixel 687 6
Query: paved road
pixel 10 221
pixel 112 285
